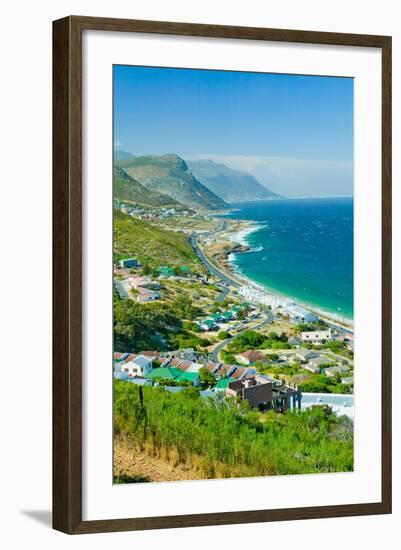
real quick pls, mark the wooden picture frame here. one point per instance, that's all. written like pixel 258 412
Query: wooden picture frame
pixel 67 273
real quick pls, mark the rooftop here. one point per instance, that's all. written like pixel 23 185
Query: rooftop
pixel 223 383
pixel 167 373
pixel 252 355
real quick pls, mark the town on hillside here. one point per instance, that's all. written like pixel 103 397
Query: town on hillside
pixel 214 375
pixel 235 340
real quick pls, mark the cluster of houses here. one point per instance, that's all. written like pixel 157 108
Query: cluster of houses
pixel 151 214
pixel 314 360
pixel 317 362
pixel 143 288
pixel 177 369
pixel 213 321
pixel 289 308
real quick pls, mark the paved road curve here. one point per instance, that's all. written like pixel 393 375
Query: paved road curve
pixel 224 292
pixel 214 355
pixel 212 268
pixel 228 280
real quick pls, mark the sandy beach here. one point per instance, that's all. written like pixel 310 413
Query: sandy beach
pixel 240 236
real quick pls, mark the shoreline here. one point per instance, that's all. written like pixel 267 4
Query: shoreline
pixel 240 237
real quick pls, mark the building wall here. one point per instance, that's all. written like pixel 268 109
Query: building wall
pixel 257 395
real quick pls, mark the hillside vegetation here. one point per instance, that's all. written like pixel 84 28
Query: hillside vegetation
pixel 143 326
pixel 169 175
pixel 152 245
pixel 128 189
pixel 222 440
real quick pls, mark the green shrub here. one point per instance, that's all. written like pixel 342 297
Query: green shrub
pixel 225 437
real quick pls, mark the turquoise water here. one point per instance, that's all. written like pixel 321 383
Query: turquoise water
pixel 303 249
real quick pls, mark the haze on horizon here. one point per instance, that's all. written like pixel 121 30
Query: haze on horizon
pixel 293 133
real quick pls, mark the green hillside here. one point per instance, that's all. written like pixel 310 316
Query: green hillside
pixel 227 440
pixel 128 189
pixel 169 175
pixel 152 245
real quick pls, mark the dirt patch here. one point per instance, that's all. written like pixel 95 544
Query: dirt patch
pixel 134 466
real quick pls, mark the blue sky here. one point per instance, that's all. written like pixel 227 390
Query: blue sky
pixel 295 133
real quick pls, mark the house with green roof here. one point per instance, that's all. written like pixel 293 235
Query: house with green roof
pixel 222 384
pixel 229 315
pixel 207 325
pixel 172 373
pixel 165 373
pixel 218 316
pixel 166 271
pixel 185 269
pixel 192 377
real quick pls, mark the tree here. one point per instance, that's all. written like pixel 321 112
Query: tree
pixel 189 325
pixel 183 307
pixel 140 326
pixel 223 335
pixel 206 377
pixel 241 314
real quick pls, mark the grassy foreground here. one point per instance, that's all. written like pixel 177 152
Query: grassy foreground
pixel 220 440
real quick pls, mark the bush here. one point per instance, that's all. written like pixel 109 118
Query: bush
pixel 189 325
pixel 231 439
pixel 323 384
pixel 142 326
pixel 183 308
pixel 206 377
pixel 250 339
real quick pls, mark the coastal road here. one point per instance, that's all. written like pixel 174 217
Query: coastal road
pixel 224 292
pixel 223 226
pixel 232 282
pixel 208 264
pixel 214 355
pixel 342 330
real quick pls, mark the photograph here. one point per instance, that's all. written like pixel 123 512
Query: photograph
pixel 232 274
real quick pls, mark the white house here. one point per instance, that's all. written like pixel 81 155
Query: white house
pixel 248 357
pixel 303 355
pixel 316 337
pixel 321 361
pixel 143 281
pixel 258 296
pixel 311 367
pixel 333 371
pixel 146 295
pixel 347 380
pixel 298 314
pixel 139 366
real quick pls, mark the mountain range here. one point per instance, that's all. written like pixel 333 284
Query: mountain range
pixel 229 184
pixel 122 155
pixel 130 190
pixel 168 180
pixel 169 175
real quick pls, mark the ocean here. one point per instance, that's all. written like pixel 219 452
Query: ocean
pixel 301 248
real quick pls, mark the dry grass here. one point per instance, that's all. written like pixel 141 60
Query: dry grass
pixel 144 465
pixel 148 463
